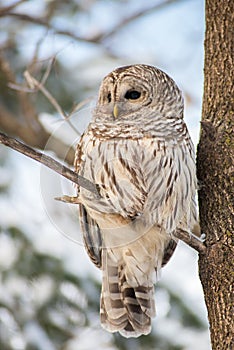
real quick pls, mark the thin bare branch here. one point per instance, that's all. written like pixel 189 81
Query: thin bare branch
pixel 6 9
pixel 28 128
pixel 49 162
pixel 44 23
pixel 39 138
pixel 47 72
pixel 35 84
pixel 96 38
pixel 77 107
pixel 131 18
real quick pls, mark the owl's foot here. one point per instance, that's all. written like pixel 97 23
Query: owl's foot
pixel 68 199
pixel 203 237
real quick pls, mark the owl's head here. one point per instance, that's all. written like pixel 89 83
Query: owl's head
pixel 128 91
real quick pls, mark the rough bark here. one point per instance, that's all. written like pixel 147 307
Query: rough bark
pixel 215 173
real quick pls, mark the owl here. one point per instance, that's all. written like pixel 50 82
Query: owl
pixel 138 151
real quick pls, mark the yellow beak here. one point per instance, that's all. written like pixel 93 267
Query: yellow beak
pixel 115 111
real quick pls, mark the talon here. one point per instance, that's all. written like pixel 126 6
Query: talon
pixel 68 199
pixel 203 237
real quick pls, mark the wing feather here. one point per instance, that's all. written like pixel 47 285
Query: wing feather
pixel 91 232
pixel 91 236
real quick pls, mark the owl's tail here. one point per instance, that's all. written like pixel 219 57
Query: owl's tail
pixel 124 308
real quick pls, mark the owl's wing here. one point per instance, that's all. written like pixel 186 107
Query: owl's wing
pixel 91 236
pixel 90 229
pixel 168 252
pixel 171 183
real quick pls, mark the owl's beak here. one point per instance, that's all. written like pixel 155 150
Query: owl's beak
pixel 115 111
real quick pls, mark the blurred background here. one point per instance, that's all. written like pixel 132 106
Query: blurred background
pixel 49 290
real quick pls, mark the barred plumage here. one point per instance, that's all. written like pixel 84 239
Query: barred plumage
pixel 138 150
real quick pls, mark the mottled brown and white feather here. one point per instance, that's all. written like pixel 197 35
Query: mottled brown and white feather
pixel 139 152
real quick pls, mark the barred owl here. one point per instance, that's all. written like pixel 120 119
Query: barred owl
pixel 138 151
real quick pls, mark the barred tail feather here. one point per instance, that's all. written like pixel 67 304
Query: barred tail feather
pixel 124 308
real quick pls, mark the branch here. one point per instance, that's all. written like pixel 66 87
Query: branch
pixel 96 39
pixel 49 162
pixel 131 18
pixel 28 128
pixel 39 138
pixel 6 9
pixel 191 240
pixel 35 84
pixel 44 23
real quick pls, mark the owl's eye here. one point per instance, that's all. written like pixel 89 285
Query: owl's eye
pixel 132 95
pixel 109 97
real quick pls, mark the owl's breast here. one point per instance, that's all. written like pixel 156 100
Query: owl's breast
pixel 115 166
pixel 144 178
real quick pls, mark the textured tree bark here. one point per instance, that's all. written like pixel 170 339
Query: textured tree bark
pixel 216 173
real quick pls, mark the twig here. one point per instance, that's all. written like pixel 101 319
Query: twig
pixel 35 84
pixel 49 162
pixel 125 21
pixel 191 240
pixel 44 23
pixel 96 39
pixel 6 9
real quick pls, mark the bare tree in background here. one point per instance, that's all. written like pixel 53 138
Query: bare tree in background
pixel 215 173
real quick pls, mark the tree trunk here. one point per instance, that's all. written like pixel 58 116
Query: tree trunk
pixel 215 173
